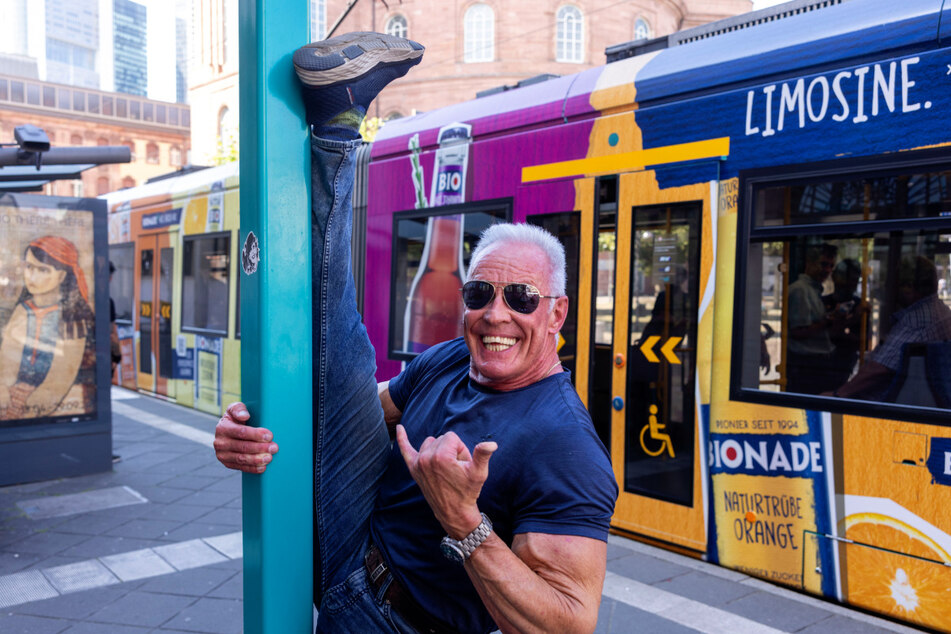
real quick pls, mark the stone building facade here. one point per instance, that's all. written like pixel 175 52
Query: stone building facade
pixel 476 45
pixel 157 132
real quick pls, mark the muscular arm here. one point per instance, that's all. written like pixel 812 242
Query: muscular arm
pixel 544 583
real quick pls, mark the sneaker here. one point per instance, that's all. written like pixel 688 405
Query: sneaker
pixel 350 70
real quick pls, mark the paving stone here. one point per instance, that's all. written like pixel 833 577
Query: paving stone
pixel 83 502
pixel 233 588
pixel 22 587
pixel 230 545
pixel 776 611
pixel 144 529
pixel 842 625
pixel 26 624
pixel 84 575
pixel 615 617
pixel 92 523
pixel 142 608
pixel 74 606
pixel 160 494
pixel 224 515
pixel 174 512
pixel 14 562
pixel 191 481
pixel 106 545
pixel 139 564
pixel 211 499
pixel 645 569
pixel 196 582
pixel 190 554
pixel 48 543
pixel 97 628
pixel 704 588
pixel 210 615
pixel 197 530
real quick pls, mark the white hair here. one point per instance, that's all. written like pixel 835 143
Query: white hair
pixel 525 234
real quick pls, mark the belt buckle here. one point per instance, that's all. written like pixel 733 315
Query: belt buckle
pixel 380 568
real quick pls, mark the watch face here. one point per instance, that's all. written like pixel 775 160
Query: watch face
pixel 452 552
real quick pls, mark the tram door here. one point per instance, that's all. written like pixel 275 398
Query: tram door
pixel 154 271
pixel 654 418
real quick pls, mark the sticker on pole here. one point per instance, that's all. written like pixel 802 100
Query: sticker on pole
pixel 250 254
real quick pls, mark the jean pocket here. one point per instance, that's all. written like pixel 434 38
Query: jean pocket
pixel 343 595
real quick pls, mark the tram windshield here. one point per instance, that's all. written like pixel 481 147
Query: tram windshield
pixel 857 305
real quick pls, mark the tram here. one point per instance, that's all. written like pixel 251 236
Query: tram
pixel 757 219
pixel 176 291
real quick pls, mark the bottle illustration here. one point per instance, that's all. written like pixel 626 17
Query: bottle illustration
pixel 434 308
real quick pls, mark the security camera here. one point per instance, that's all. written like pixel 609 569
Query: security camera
pixel 31 139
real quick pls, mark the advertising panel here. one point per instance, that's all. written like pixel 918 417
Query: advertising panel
pixel 47 313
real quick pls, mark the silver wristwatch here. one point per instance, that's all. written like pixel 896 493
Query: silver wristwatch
pixel 459 551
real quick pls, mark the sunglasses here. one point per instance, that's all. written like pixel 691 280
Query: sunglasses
pixel 522 298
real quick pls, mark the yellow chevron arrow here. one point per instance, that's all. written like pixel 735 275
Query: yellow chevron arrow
pixel 646 348
pixel 668 350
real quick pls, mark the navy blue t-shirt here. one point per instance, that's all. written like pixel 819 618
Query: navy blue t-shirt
pixel 550 474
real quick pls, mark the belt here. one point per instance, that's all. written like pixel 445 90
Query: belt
pixel 399 599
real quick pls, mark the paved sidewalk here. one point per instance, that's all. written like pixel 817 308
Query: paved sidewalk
pixel 155 546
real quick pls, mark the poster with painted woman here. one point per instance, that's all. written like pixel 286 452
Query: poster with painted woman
pixel 47 311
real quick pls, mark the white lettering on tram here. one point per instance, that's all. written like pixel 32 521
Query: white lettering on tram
pixel 947 463
pixel 770 456
pixel 798 100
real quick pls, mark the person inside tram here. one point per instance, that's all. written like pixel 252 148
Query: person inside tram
pixel 47 355
pixel 923 318
pixel 809 345
pixel 848 310
pixel 491 509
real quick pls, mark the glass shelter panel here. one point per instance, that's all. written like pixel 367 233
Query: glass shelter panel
pixel 660 419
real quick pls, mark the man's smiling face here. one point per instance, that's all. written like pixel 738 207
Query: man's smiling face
pixel 510 350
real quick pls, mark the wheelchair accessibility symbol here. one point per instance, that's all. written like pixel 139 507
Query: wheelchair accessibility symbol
pixel 657 434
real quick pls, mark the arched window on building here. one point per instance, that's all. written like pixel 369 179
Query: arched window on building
pixel 131 146
pixel 478 26
pixel 152 153
pixel 569 35
pixel 102 185
pixel 642 30
pixel 128 182
pixel 175 156
pixel 102 141
pixel 76 139
pixel 227 134
pixel 396 114
pixel 397 26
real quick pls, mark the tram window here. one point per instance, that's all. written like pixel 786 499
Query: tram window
pixel 431 250
pixel 566 227
pixel 851 311
pixel 122 284
pixel 205 268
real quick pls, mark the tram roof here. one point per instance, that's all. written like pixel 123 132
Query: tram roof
pixel 191 183
pixel 840 34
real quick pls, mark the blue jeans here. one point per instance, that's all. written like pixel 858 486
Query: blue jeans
pixel 350 438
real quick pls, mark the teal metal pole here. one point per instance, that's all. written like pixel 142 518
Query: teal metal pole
pixel 276 317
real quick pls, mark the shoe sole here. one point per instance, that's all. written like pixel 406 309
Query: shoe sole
pixel 350 56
